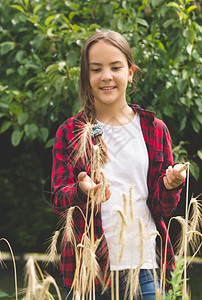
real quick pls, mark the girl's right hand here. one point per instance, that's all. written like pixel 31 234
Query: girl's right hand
pixel 89 187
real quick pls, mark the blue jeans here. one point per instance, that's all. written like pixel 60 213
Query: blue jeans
pixel 147 287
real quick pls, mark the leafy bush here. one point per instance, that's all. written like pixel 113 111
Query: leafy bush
pixel 40 51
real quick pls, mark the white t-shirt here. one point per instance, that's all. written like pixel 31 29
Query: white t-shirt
pixel 128 165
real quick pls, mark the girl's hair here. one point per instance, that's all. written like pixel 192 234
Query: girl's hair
pixel 117 40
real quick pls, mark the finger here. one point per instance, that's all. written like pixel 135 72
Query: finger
pixel 180 174
pixel 177 176
pixel 181 167
pixel 94 189
pixel 82 176
pixel 173 178
pixel 108 194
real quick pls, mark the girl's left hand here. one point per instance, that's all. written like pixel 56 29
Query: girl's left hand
pixel 173 177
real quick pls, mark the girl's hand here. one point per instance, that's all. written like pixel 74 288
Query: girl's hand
pixel 174 177
pixel 89 187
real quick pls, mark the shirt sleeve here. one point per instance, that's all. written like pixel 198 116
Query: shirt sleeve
pixel 65 191
pixel 161 201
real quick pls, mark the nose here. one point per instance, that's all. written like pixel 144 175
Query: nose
pixel 106 75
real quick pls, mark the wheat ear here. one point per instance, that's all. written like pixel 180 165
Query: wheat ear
pixel 31 280
pixel 84 141
pixel 100 194
pixel 131 201
pixel 52 249
pixel 195 223
pixel 68 233
pixel 45 288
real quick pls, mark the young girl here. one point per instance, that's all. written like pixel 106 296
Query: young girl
pixel 136 157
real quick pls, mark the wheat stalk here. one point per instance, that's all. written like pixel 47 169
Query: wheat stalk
pixel 185 243
pixel 14 266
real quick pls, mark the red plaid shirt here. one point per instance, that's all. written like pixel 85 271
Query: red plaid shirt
pixel 66 192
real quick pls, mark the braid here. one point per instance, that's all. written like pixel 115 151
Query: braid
pixel 89 109
pixel 90 116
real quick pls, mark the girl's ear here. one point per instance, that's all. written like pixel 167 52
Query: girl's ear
pixel 131 72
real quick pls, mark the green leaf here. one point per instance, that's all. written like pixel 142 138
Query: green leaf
pixel 196 126
pixel 72 58
pixel 44 132
pixel 22 71
pixel 5 125
pixel 191 8
pixel 189 49
pixel 156 2
pixel 71 5
pixel 19 56
pixel 190 34
pixel 31 131
pixel 183 123
pixel 4 105
pixel 199 118
pixel 3 294
pixel 168 23
pixel 6 47
pixel 120 24
pixel 186 1
pixel 37 8
pixel 161 46
pixel 20 8
pixel 49 20
pixel 16 109
pixel 27 3
pixel 173 4
pixel 23 118
pixel 199 153
pixel 10 71
pixel 142 22
pixel 194 170
pixel 199 104
pixel 16 137
pixel 50 143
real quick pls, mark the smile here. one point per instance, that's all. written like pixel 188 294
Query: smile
pixel 107 88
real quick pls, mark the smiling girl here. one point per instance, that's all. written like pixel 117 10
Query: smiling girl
pixel 136 150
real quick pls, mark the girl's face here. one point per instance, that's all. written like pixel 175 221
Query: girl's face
pixel 109 74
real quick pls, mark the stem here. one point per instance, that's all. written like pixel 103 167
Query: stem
pixel 14 267
pixel 185 242
pixel 39 269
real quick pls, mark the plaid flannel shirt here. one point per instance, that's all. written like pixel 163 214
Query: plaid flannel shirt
pixel 66 192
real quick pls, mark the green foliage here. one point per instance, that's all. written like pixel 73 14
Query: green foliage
pixel 3 294
pixel 40 51
pixel 176 282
